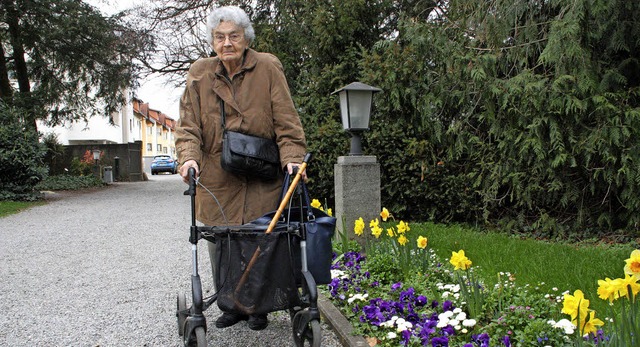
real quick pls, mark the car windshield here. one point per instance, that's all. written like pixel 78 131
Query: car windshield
pixel 163 157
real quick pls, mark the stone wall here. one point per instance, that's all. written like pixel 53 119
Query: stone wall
pixel 124 159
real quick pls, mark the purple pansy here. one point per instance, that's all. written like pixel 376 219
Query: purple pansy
pixel 440 342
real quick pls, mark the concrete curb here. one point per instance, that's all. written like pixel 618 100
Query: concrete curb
pixel 340 325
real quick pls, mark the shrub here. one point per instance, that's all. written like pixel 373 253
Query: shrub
pixel 21 157
pixel 69 182
pixel 55 150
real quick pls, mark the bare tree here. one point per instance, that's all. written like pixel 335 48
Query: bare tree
pixel 178 31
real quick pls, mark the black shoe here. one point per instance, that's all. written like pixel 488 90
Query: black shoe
pixel 258 322
pixel 228 319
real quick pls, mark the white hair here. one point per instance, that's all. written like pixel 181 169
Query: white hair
pixel 230 14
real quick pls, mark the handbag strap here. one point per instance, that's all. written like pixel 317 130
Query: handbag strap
pixel 222 113
pixel 305 194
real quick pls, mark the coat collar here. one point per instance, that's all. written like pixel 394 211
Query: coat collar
pixel 249 63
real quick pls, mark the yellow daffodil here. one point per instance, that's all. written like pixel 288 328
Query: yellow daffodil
pixel 315 203
pixel 632 266
pixel 422 242
pixel 402 227
pixel 384 214
pixel 402 240
pixel 575 304
pixel 359 226
pixel 374 223
pixel 608 289
pixel 459 260
pixel 390 232
pixel 591 325
pixel 329 212
pixel 376 231
pixel 626 283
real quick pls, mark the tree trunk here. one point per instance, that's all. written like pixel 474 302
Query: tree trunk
pixel 5 86
pixel 22 73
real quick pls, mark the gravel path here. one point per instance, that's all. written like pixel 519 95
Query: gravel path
pixel 102 268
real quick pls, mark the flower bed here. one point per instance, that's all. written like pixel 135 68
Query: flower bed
pixel 401 294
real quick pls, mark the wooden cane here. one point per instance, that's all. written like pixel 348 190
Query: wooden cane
pixel 287 197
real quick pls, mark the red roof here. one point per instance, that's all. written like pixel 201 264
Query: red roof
pixel 149 113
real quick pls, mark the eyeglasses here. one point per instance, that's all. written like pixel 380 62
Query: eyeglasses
pixel 233 37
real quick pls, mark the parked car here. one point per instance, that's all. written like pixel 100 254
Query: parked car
pixel 164 163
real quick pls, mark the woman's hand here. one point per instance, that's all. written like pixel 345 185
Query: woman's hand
pixel 184 170
pixel 290 167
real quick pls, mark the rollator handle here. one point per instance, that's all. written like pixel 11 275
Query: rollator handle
pixel 192 182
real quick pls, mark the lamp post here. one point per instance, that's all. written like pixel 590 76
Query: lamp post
pixel 356 176
pixel 356 100
pixel 96 157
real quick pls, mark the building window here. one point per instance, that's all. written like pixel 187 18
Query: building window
pixel 148 147
pixel 164 150
pixel 159 147
pixel 149 131
pixel 131 125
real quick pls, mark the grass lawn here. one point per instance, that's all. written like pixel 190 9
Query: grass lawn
pixel 564 266
pixel 11 207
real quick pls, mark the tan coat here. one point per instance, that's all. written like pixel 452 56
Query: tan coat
pixel 258 102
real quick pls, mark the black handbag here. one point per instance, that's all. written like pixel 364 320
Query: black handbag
pixel 320 228
pixel 248 155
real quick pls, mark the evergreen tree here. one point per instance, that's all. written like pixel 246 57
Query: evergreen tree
pixel 67 60
pixel 532 106
pixel 517 113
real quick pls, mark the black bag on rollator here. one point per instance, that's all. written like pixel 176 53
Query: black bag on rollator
pixel 320 228
pixel 257 272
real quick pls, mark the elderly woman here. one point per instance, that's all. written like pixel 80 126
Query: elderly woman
pixel 256 100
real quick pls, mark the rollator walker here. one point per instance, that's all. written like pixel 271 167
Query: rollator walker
pixel 300 293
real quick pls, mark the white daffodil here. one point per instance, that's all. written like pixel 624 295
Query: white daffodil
pixel 387 324
pixel 563 324
pixel 446 314
pixel 338 274
pixel 403 325
pixel 442 323
pixel 469 323
pixel 360 297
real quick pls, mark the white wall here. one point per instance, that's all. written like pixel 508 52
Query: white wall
pixel 95 130
pixel 98 130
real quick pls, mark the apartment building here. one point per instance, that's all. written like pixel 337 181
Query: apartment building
pixel 157 131
pixel 136 121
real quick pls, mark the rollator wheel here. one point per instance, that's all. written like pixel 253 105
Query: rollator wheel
pixel 198 338
pixel 201 337
pixel 293 311
pixel 181 312
pixel 310 335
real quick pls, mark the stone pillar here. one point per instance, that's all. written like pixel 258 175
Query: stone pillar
pixel 357 189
